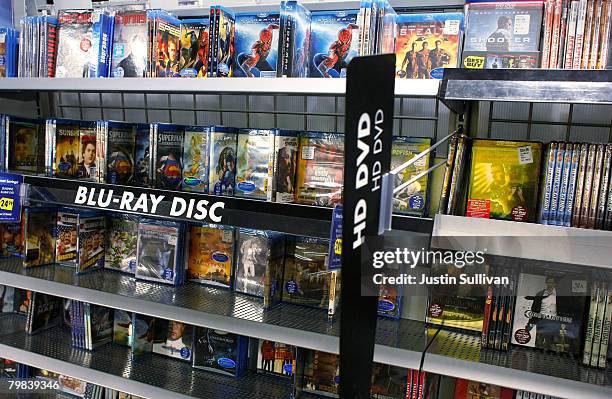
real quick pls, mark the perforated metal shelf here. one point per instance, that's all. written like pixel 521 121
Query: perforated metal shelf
pixel 459 355
pixel 398 342
pixel 151 376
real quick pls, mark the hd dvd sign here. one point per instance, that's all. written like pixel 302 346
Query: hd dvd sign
pixel 369 126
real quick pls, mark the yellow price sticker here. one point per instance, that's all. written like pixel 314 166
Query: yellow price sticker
pixel 6 204
pixel 338 246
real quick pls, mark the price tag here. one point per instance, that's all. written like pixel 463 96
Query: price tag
pixel 10 200
pixel 525 155
pixel 335 242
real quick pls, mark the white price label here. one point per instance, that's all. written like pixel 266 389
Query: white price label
pixel 308 152
pixel 525 155
pixel 451 27
pixel 579 286
pixel 521 24
pixel 172 240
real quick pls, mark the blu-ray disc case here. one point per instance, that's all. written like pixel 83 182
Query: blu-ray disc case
pixel 195 158
pixel 122 239
pixel 66 244
pixel 256 45
pixel 168 155
pixel 220 351
pixel 320 173
pixel 26 145
pixel 142 156
pixel 222 160
pixel 166 43
pixel 173 339
pixel 195 38
pixel 333 43
pixel 286 145
pixel 120 149
pixel 12 239
pixel 426 43
pixel 67 149
pixel 276 358
pixel 211 254
pixel 223 31
pixel 143 328
pixel 83 44
pixel 92 229
pixel 255 164
pixel 159 253
pixel 259 264
pixel 130 55
pixel 39 224
pixel 321 373
pixel 122 327
pixel 414 199
pixel 294 42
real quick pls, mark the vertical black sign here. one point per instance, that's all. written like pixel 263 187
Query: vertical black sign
pixel 370 89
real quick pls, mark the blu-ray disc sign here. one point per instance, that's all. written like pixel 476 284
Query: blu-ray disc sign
pixel 149 204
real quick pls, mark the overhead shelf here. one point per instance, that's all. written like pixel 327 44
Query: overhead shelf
pixel 113 366
pixel 399 343
pixel 525 85
pixel 528 241
pixel 459 355
pixel 264 86
pixel 295 219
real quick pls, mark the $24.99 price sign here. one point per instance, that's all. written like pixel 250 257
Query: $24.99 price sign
pixel 10 200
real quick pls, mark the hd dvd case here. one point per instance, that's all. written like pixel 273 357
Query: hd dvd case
pixel 158 252
pixel 259 264
pixel 122 327
pixel 333 43
pixel 551 306
pixel 321 373
pixel 168 155
pixel 286 146
pixel 195 37
pixel 254 166
pixel 256 44
pixel 294 41
pixel 503 179
pixel 143 328
pixel 219 351
pixel 502 35
pixel 414 199
pixel 426 43
pixel 195 158
pixel 173 339
pixel 320 169
pixel 222 160
pixel 276 358
pixel 122 239
pixel 211 254
pixel 130 44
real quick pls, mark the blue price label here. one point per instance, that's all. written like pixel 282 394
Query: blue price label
pixel 10 200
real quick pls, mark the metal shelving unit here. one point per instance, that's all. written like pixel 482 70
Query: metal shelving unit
pixel 149 376
pixel 398 343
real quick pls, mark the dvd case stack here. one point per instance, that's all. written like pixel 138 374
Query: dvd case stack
pixel 256 45
pixel 195 159
pixel 333 43
pixel 221 47
pixel 222 160
pixel 9 52
pixel 597 336
pixel 294 42
pixel 424 385
pixel 576 34
pixel 451 195
pixel 168 155
pixel 44 312
pixel 576 186
pixel 23 145
pixel 160 251
pixel 426 43
pixel 84 43
pixel 38 41
pixel 377 22
pixel 71 149
pixel 211 254
pixel 255 164
pixel 121 243
pixel 499 313
pixel 131 44
pixel 163 44
pixel 91 325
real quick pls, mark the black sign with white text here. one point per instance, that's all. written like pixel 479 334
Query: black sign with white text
pixel 369 124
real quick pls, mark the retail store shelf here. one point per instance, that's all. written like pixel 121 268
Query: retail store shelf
pixel 524 240
pixel 151 376
pixel 289 86
pixel 398 342
pixel 296 219
pixel 525 85
pixel 459 355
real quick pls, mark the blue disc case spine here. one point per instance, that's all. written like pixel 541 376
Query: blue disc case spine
pixel 294 44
